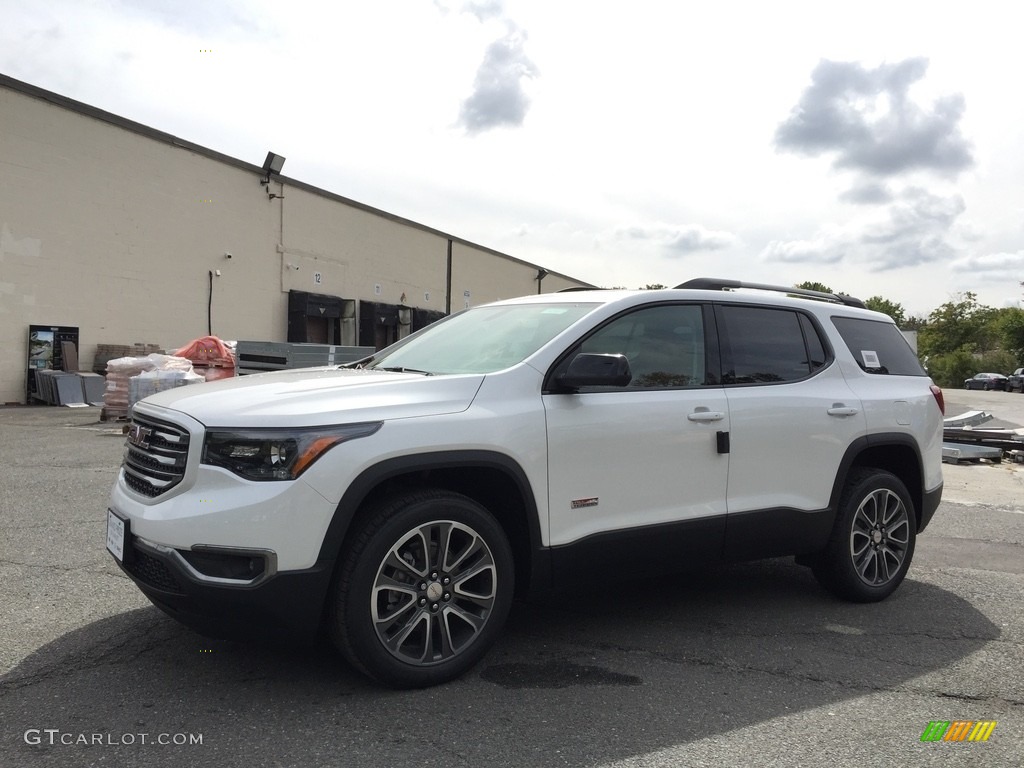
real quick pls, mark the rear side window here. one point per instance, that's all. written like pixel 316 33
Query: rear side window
pixel 763 345
pixel 878 347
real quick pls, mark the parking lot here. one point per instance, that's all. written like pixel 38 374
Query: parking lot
pixel 751 664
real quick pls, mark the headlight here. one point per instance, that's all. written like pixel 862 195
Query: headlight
pixel 276 454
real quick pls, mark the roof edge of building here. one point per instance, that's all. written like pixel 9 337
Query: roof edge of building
pixel 34 91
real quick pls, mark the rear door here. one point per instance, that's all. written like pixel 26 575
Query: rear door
pixel 793 416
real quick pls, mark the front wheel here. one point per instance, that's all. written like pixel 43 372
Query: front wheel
pixel 423 589
pixel 873 540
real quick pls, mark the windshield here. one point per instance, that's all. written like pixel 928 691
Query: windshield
pixel 481 340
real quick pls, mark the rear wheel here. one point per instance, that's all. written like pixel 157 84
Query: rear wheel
pixel 423 589
pixel 873 540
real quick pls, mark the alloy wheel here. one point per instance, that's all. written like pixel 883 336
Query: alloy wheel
pixel 880 537
pixel 434 592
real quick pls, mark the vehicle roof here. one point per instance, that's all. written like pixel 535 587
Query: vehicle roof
pixel 626 298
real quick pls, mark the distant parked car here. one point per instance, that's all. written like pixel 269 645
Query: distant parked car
pixel 986 381
pixel 1015 381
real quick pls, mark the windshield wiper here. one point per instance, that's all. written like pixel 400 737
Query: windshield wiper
pixel 401 369
pixel 358 364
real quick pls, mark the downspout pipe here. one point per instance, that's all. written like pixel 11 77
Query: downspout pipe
pixel 448 283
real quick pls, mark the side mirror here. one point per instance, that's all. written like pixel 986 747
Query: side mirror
pixel 590 370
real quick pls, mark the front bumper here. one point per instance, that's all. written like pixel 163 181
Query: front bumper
pixel 288 605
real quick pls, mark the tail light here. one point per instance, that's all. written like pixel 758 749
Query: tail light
pixel 937 393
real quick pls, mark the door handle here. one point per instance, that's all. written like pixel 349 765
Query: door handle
pixel 838 409
pixel 706 415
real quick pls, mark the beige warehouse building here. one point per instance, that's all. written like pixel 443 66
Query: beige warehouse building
pixel 131 235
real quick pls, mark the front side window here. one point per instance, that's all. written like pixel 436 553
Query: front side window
pixel 663 344
pixel 763 345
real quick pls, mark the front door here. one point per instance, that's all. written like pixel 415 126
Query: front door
pixel 646 457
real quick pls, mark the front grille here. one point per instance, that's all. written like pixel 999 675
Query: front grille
pixel 152 571
pixel 155 456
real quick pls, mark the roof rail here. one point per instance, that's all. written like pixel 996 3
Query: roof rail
pixel 576 288
pixel 716 284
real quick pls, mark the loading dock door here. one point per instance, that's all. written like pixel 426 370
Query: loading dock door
pixel 378 324
pixel 320 319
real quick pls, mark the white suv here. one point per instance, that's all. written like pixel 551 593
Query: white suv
pixel 526 446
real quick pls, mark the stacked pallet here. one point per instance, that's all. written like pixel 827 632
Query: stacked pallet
pixel 123 374
pixel 107 352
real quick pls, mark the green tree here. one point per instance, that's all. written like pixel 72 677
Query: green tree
pixel 654 286
pixel 809 285
pixel 957 325
pixel 988 329
pixel 1010 326
pixel 950 369
pixel 890 308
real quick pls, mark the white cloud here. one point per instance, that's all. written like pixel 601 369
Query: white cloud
pixel 867 119
pixel 1002 267
pixel 681 240
pixel 607 127
pixel 499 98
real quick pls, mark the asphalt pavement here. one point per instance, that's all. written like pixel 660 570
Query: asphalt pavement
pixel 743 665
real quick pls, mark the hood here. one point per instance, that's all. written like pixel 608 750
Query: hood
pixel 318 396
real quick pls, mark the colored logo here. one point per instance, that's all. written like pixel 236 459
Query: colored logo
pixel 958 730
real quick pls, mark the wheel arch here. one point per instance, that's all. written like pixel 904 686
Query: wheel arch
pixel 893 452
pixel 492 479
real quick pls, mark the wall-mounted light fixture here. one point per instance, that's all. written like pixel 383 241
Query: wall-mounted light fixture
pixel 541 274
pixel 273 164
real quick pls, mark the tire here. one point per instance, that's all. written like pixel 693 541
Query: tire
pixel 423 589
pixel 872 543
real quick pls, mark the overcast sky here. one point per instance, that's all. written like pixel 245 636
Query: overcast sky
pixel 875 147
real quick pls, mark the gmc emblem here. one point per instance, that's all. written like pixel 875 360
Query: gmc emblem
pixel 139 436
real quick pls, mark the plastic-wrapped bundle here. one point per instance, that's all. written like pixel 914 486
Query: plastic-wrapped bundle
pixel 151 382
pixel 120 370
pixel 212 358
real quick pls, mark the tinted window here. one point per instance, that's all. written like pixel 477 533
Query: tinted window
pixel 664 345
pixel 878 347
pixel 761 345
pixel 817 354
